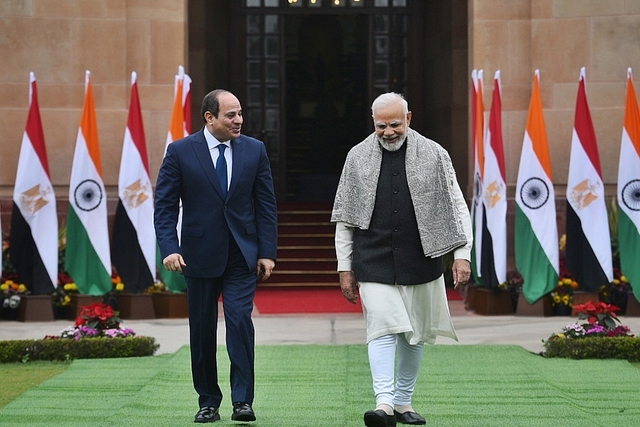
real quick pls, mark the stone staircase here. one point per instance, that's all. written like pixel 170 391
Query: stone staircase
pixel 306 251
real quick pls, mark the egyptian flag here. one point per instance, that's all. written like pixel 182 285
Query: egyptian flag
pixel 477 207
pixel 179 127
pixel 34 220
pixel 494 242
pixel 588 250
pixel 536 231
pixel 87 255
pixel 133 246
pixel 629 190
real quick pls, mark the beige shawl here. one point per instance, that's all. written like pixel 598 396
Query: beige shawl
pixel 430 176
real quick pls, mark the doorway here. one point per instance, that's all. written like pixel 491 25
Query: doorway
pixel 326 100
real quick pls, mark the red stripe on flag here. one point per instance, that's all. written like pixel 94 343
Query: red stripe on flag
pixel 34 129
pixel 584 128
pixel 495 126
pixel 136 127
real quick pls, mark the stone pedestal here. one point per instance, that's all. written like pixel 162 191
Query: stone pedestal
pixel 541 308
pixel 35 308
pixel 490 303
pixel 470 297
pixel 583 297
pixel 170 305
pixel 136 306
pixel 633 306
pixel 78 301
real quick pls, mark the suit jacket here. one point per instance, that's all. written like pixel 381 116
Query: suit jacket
pixel 249 212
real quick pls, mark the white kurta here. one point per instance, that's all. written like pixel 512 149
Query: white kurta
pixel 421 312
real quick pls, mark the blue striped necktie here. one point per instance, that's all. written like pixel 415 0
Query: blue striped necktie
pixel 221 169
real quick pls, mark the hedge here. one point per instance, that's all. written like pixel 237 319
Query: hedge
pixel 68 349
pixel 594 348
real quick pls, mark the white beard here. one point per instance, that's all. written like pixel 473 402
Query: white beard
pixel 392 147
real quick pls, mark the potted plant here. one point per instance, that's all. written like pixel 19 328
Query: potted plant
pixel 10 298
pixel 597 334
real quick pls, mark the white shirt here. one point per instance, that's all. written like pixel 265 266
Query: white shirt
pixel 212 143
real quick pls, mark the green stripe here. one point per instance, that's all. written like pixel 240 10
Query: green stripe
pixel 474 256
pixel 82 261
pixel 629 244
pixel 540 277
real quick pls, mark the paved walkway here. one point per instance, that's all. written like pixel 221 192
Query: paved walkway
pixel 172 334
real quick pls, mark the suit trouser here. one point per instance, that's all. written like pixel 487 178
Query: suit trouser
pixel 237 286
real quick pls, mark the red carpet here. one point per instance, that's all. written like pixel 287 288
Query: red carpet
pixel 301 300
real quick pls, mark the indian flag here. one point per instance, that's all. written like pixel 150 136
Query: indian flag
pixel 588 250
pixel 629 190
pixel 179 127
pixel 494 243
pixel 133 248
pixel 536 231
pixel 87 255
pixel 477 207
pixel 34 220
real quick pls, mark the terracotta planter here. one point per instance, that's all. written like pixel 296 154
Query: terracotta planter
pixel 582 297
pixel 490 303
pixel 78 301
pixel 633 306
pixel 470 297
pixel 542 307
pixel 170 305
pixel 136 306
pixel 35 308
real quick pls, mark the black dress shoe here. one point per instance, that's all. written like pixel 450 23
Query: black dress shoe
pixel 379 418
pixel 242 411
pixel 410 417
pixel 207 414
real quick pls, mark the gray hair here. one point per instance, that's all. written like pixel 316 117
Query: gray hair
pixel 387 99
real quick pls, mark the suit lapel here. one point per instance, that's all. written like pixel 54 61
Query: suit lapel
pixel 201 149
pixel 237 149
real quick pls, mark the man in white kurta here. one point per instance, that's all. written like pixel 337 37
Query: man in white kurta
pixel 398 210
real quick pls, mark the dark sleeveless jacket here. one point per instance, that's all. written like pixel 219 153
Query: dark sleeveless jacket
pixel 390 251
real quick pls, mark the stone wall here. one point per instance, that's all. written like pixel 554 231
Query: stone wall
pixel 58 40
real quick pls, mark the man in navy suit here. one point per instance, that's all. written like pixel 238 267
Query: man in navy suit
pixel 228 240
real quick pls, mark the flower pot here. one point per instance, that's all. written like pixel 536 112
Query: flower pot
pixel 35 308
pixel 542 307
pixel 470 297
pixel 61 312
pixel 633 306
pixel 7 313
pixel 170 305
pixel 583 297
pixel 493 303
pixel 562 310
pixel 78 301
pixel 136 306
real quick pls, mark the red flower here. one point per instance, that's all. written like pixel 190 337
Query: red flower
pixel 598 313
pixel 98 315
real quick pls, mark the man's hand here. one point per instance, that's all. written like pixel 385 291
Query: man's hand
pixel 265 267
pixel 461 272
pixel 349 286
pixel 174 262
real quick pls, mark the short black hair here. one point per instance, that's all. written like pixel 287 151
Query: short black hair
pixel 211 103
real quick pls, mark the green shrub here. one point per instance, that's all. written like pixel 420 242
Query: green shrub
pixel 69 349
pixel 594 348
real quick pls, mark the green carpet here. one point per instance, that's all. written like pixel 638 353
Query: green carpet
pixel 322 385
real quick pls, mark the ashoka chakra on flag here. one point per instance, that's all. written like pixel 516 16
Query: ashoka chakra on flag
pixel 88 195
pixel 631 195
pixel 534 193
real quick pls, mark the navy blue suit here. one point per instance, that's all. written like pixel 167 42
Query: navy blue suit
pixel 221 242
